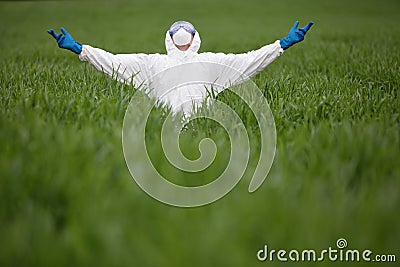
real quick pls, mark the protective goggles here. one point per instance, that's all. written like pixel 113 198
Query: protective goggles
pixel 187 26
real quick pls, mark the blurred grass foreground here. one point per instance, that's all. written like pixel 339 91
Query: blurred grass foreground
pixel 67 198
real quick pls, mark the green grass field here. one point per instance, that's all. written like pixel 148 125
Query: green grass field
pixel 67 198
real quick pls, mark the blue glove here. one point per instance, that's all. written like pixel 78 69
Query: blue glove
pixel 295 35
pixel 66 41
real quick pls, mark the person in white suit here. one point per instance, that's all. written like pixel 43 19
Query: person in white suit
pixel 182 43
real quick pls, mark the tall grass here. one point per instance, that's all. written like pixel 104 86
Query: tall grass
pixel 67 197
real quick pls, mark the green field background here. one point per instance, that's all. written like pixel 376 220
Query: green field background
pixel 66 195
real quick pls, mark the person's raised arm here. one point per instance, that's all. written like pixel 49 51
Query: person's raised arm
pixel 250 63
pixel 120 67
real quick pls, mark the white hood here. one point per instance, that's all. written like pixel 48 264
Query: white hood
pixel 172 50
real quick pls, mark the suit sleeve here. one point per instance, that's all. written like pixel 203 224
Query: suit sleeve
pixel 251 63
pixel 126 68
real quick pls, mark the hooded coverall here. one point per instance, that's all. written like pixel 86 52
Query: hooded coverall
pixel 138 69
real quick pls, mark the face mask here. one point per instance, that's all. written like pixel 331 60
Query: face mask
pixel 182 37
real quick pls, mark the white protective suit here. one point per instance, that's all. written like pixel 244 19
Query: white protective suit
pixel 140 69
